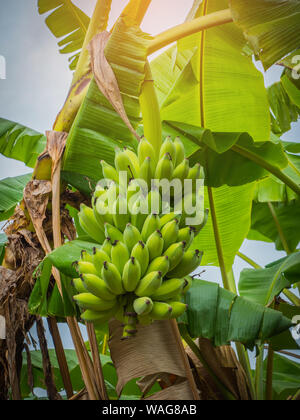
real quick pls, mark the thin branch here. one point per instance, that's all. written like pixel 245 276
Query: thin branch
pixel 279 229
pixel 197 25
pixel 249 260
pixel 293 298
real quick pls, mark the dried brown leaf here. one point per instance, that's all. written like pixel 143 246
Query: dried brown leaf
pixel 177 392
pixel 56 143
pixel 152 351
pixel 105 77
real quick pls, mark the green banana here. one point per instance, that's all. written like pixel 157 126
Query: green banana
pixel 138 216
pixel 186 235
pixel 120 212
pixel 98 259
pixel 151 224
pixel 194 172
pixel 175 253
pixel 198 228
pixel 99 192
pixel 146 173
pixel 134 161
pixel 143 306
pixel 112 278
pixel 164 169
pixel 187 285
pixel 96 286
pixel 89 301
pixel 106 247
pixel 131 275
pixel 98 317
pixel 170 233
pixel 161 264
pixel 182 170
pixel 141 253
pixel 109 172
pixel 161 311
pixel 89 223
pixel 124 164
pixel 155 245
pixel 113 233
pixel 169 289
pixel 180 153
pixel 190 261
pixel 119 255
pixel 154 202
pixel 102 212
pixel 145 150
pixel 168 147
pixel 149 284
pixel 85 256
pixel 86 267
pixel 166 218
pixel 178 309
pixel 79 285
pixel 131 236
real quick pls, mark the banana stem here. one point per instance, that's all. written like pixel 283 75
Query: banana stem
pixel 200 24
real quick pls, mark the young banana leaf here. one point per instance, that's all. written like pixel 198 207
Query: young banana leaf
pixel 20 143
pixel 265 25
pixel 11 193
pixel 98 128
pixel 222 316
pixel 68 22
pixel 264 284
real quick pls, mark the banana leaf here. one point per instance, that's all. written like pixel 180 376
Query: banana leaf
pixel 20 143
pixel 214 85
pixel 285 340
pixel 3 241
pixel 262 223
pixel 222 316
pixel 67 22
pixel 271 26
pixel 98 129
pixel 286 377
pixel 262 285
pixel 11 193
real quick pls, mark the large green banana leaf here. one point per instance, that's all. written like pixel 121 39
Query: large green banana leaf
pixel 262 285
pixel 285 340
pixel 11 193
pixel 222 316
pixel 288 215
pixel 286 377
pixel 20 143
pixel 98 129
pixel 67 22
pixel 213 84
pixel 271 26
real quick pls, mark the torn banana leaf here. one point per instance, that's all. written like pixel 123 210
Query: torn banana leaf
pixel 221 316
pixel 98 128
pixel 11 193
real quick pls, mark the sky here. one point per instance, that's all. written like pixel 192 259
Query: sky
pixel 38 79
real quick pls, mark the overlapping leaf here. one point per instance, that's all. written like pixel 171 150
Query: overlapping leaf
pixel 68 22
pixel 11 193
pixel 271 26
pixel 262 285
pixel 98 129
pixel 221 316
pixel 285 340
pixel 20 143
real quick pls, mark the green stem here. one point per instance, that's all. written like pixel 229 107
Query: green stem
pixel 279 229
pixel 226 282
pixel 195 349
pixel 245 362
pixel 196 25
pixel 259 375
pixel 272 169
pixel 293 298
pixel 296 397
pixel 151 111
pixel 269 379
pixel 249 260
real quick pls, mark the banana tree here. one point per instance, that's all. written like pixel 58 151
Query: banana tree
pixel 198 110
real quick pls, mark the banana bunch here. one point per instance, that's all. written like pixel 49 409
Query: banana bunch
pixel 141 270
